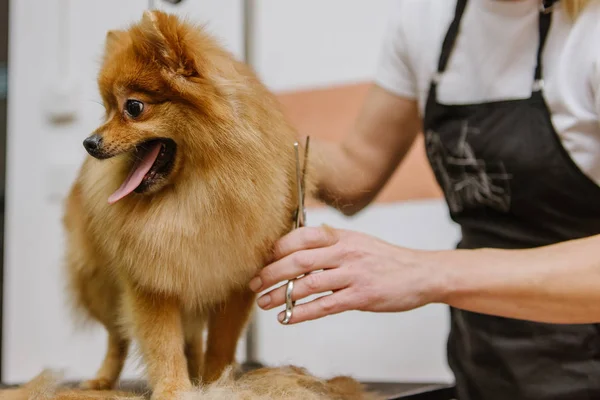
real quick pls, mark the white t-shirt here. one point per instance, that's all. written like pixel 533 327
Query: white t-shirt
pixel 494 58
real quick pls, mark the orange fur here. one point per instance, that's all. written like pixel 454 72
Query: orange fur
pixel 281 383
pixel 158 267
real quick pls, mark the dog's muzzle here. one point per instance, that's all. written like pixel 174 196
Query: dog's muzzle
pixel 93 145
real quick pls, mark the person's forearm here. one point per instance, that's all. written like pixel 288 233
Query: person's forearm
pixel 350 173
pixel 341 181
pixel 555 284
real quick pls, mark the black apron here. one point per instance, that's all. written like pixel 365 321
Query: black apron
pixel 509 183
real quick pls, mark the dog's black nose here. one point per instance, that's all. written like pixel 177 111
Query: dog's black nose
pixel 93 144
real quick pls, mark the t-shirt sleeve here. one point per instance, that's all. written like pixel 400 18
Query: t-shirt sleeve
pixel 394 72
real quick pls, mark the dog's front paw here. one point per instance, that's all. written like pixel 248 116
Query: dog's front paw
pixel 97 384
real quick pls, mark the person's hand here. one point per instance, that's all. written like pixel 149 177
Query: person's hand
pixel 361 272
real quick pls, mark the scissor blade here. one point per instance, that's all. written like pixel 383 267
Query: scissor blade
pixel 304 166
pixel 299 188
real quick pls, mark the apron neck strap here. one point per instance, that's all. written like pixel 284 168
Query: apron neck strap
pixel 451 36
pixel 545 20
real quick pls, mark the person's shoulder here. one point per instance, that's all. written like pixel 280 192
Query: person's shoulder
pixel 581 47
pixel 588 17
pixel 583 32
pixel 413 36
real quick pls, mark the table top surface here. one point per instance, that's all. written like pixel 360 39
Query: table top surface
pixel 392 390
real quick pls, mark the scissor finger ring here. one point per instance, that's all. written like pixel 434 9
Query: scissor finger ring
pixel 289 304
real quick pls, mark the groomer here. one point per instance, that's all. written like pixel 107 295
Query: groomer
pixel 507 94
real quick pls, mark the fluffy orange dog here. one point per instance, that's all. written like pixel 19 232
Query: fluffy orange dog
pixel 190 181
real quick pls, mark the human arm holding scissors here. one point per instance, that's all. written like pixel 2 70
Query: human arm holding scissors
pixel 559 283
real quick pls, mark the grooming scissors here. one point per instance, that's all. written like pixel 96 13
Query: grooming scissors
pixel 299 221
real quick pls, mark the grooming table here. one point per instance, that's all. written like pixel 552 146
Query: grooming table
pixel 392 390
pixel 413 391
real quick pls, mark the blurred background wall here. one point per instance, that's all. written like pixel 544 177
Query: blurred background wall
pixel 319 57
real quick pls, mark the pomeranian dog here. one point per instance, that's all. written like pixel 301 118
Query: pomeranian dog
pixel 190 180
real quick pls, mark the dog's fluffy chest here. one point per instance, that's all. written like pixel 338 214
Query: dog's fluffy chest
pixel 182 250
pixel 192 241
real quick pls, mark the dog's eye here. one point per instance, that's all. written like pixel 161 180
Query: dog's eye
pixel 134 108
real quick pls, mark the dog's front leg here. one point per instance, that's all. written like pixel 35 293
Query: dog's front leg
pixel 157 326
pixel 225 326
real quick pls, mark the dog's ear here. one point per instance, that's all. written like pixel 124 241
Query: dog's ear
pixel 160 37
pixel 115 39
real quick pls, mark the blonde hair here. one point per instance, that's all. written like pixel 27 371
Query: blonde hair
pixel 574 7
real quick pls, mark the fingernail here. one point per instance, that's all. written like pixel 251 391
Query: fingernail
pixel 255 284
pixel 264 301
pixel 280 317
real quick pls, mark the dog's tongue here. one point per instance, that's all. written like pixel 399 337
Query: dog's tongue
pixel 139 170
